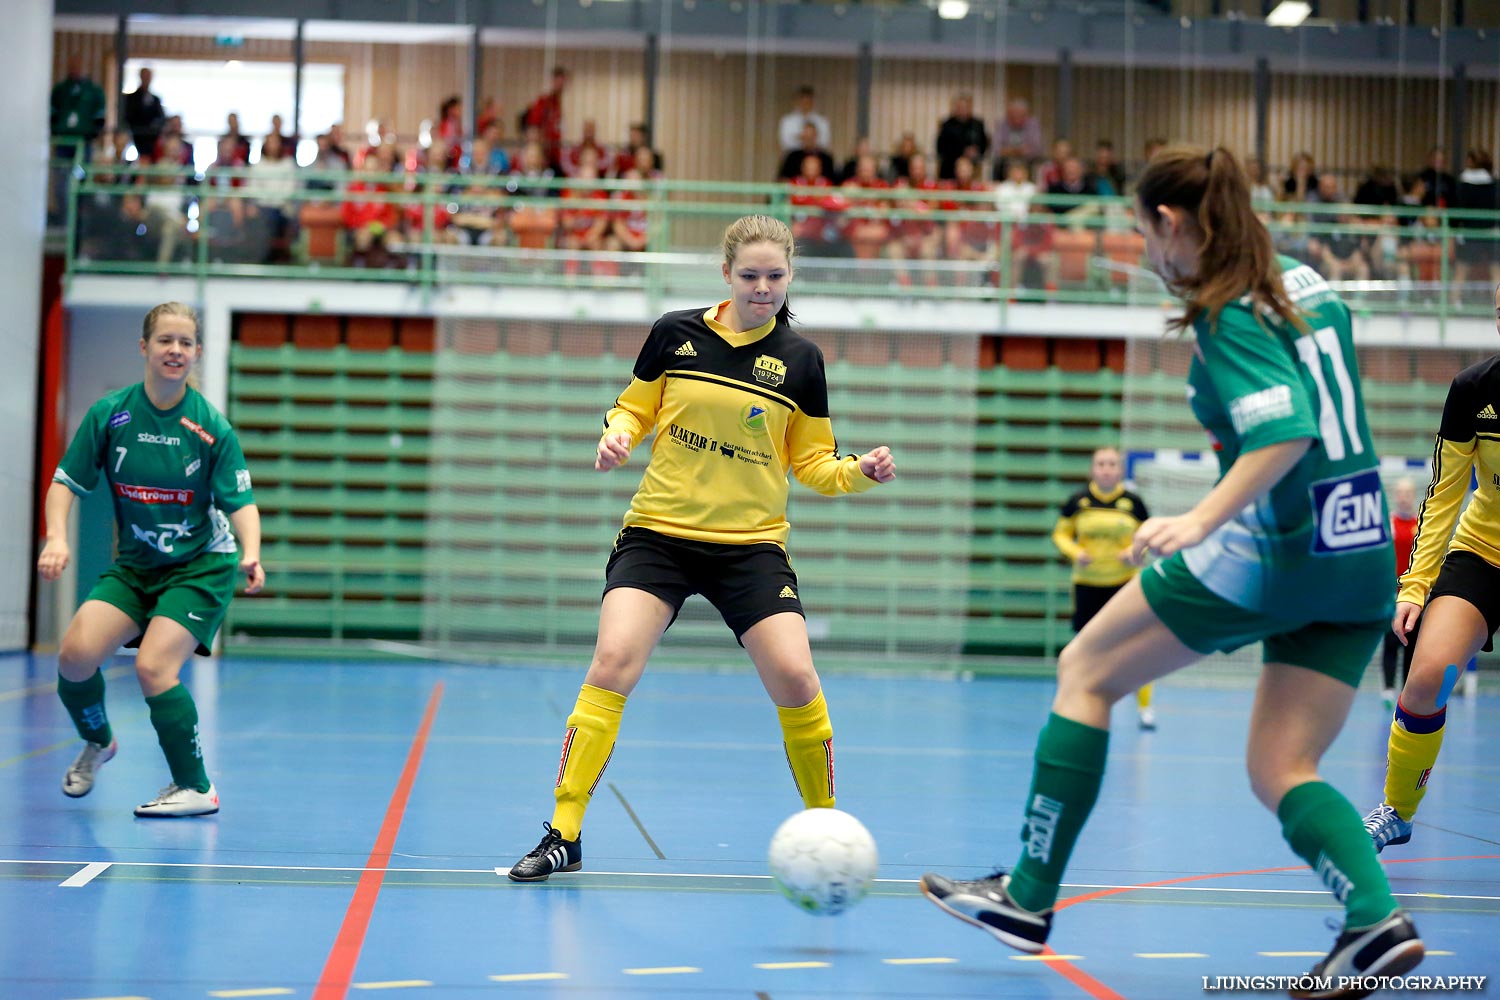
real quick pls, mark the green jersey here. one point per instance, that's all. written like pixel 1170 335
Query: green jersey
pixel 173 474
pixel 1320 538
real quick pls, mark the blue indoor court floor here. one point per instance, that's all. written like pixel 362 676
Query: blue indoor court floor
pixel 367 807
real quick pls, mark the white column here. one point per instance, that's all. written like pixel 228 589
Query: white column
pixel 23 210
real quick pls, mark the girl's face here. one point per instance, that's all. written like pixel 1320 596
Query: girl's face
pixel 172 349
pixel 758 278
pixel 1171 241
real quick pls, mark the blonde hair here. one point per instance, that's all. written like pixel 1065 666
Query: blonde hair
pixel 760 229
pixel 148 327
pixel 169 309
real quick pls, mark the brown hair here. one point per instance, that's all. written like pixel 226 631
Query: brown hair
pixel 1235 255
pixel 760 229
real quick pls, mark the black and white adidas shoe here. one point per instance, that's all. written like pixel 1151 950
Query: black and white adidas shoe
pixel 1362 954
pixel 986 904
pixel 553 854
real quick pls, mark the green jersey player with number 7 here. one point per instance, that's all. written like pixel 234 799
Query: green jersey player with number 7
pixel 1291 548
pixel 174 469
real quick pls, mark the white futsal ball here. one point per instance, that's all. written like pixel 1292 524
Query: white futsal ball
pixel 823 860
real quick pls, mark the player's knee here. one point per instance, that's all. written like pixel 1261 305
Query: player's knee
pixel 77 658
pixel 1078 674
pixel 614 668
pixel 154 671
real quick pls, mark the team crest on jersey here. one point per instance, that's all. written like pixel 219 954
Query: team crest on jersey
pixel 1349 514
pixel 120 419
pixel 769 370
pixel 192 467
pixel 753 416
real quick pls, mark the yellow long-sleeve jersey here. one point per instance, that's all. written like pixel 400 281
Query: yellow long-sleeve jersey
pixel 733 414
pixel 1101 524
pixel 1467 445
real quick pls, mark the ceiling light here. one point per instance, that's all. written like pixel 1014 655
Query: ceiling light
pixel 1289 13
pixel 953 10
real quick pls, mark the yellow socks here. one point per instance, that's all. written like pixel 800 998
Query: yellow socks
pixel 1143 696
pixel 1412 753
pixel 587 747
pixel 807 734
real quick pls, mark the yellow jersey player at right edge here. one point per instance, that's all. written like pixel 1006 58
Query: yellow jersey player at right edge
pixel 1462 598
pixel 1291 547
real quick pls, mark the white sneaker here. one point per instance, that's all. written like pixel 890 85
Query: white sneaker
pixel 175 801
pixel 1148 718
pixel 78 780
pixel 1471 683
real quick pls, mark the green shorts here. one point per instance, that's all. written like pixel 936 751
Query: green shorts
pixel 1205 622
pixel 195 595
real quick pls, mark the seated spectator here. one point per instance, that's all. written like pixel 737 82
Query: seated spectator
pixel 278 128
pixel 161 203
pixel 328 161
pixel 336 146
pixel 534 224
pixel 1106 173
pixel 229 239
pixel 968 240
pixel 1027 241
pixel 791 164
pixel 900 162
pixel 369 221
pixel 490 113
pixel 625 155
pixel 1475 256
pixel 961 134
pixel 647 164
pixel 630 224
pixel 1341 253
pixel 918 235
pixel 239 139
pixel 1018 136
pixel 272 182
pixel 1051 172
pixel 487 155
pixel 851 166
pixel 589 141
pixel 449 129
pixel 1255 177
pixel 182 150
pixel 1074 182
pixel 1441 185
pixel 809 186
pixel 478 218
pixel 1378 188
pixel 1301 181
pixel 587 223
pixel 866 227
pixel 416 216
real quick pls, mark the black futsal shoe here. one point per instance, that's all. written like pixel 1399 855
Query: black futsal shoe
pixel 986 904
pixel 1362 957
pixel 553 854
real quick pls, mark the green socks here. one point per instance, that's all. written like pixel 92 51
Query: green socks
pixel 84 701
pixel 176 720
pixel 1069 770
pixel 1326 832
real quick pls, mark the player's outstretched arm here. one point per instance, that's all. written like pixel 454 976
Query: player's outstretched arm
pixel 1251 475
pixel 878 464
pixel 613 450
pixel 55 554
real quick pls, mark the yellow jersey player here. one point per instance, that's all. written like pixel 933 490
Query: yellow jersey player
pixel 1095 531
pixel 737 400
pixel 1453 586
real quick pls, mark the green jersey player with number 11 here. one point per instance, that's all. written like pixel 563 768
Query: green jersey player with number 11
pixel 173 468
pixel 1291 547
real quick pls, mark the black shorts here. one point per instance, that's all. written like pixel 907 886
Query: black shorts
pixel 744 583
pixel 1088 601
pixel 1466 575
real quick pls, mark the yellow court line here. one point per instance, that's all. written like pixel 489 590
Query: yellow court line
pixel 919 961
pixel 37 753
pixel 1170 954
pixel 791 965
pixel 1441 953
pixel 114 998
pixel 666 970
pixel 1046 958
pixel 529 977
pixel 395 984
pixel 1292 954
pixel 50 687
pixel 269 991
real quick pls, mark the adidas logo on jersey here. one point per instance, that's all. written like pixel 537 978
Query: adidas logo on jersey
pixel 788 592
pixel 686 351
pixel 1488 413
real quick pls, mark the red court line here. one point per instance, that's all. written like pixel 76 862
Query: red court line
pixel 338 971
pixel 1098 990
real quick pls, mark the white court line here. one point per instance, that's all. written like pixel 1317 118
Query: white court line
pixel 686 875
pixel 86 874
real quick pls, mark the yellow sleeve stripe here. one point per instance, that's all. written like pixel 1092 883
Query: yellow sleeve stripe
pixel 774 397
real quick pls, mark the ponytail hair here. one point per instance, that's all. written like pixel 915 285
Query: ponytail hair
pixel 1235 255
pixel 760 229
